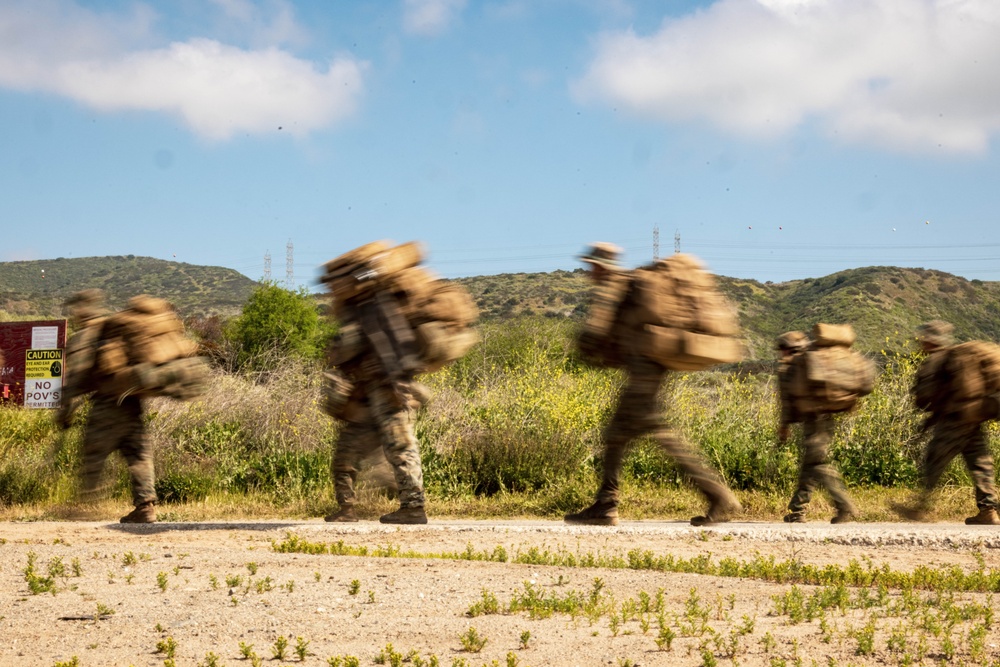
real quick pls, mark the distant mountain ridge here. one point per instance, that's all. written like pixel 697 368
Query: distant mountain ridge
pixel 41 286
pixel 884 303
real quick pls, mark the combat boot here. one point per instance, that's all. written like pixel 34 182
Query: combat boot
pixel 143 513
pixel 719 511
pixel 912 513
pixel 344 515
pixel 844 514
pixel 405 515
pixel 794 517
pixel 598 514
pixel 987 517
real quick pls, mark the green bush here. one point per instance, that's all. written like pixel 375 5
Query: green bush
pixel 277 323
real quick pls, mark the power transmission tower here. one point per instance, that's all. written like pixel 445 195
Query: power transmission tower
pixel 267 265
pixel 289 266
pixel 656 242
pixel 677 241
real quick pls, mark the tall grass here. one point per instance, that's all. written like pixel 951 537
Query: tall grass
pixel 520 417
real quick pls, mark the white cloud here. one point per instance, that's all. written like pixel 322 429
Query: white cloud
pixel 430 17
pixel 219 90
pixel 909 75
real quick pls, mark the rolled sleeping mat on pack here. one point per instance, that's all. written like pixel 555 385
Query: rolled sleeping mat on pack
pixel 833 335
pixel 680 350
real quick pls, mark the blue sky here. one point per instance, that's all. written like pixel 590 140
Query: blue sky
pixel 781 139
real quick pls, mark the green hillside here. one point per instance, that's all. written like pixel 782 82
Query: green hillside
pixel 39 287
pixel 880 301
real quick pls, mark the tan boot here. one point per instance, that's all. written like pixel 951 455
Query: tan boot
pixel 986 517
pixel 143 513
pixel 912 513
pixel 598 514
pixel 719 511
pixel 344 515
pixel 844 515
pixel 405 515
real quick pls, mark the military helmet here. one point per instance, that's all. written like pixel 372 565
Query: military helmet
pixel 605 255
pixel 85 304
pixel 793 341
pixel 936 333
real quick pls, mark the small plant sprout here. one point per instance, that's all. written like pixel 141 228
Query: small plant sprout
pixel 471 641
pixel 280 646
pixel 354 587
pixel 213 581
pixel 167 647
pixel 104 610
pixel 525 639
pixel 317 576
pixel 290 585
pixel 371 597
pixel 302 648
pixel 252 568
pixel 246 650
pixel 211 660
pixel 161 581
pixel 234 580
pixel 77 568
pixel 129 559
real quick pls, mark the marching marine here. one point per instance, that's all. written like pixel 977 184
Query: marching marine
pixel 616 335
pixel 817 430
pixel 957 385
pixel 396 321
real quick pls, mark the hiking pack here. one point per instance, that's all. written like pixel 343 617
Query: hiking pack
pixel 670 311
pixel 829 376
pixel 963 379
pixel 143 350
pixel 414 321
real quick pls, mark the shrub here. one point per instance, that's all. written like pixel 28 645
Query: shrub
pixel 276 323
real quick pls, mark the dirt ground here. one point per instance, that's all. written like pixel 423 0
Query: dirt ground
pixel 176 583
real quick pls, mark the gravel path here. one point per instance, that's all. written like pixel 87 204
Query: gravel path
pixel 210 587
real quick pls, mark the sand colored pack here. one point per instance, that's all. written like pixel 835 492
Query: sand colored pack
pixel 143 350
pixel 830 376
pixel 974 369
pixel 670 311
pixel 413 321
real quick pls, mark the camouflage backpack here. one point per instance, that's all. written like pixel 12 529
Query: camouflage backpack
pixel 417 322
pixel 670 311
pixel 963 379
pixel 143 350
pixel 830 376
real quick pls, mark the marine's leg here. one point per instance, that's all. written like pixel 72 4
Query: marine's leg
pixel 634 415
pixel 354 443
pixel 947 441
pixel 979 461
pixel 101 436
pixel 395 419
pixel 138 455
pixel 722 503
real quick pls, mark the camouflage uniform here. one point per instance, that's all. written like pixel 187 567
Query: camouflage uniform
pixel 953 431
pixel 817 433
pixel 638 411
pixel 638 414
pixel 385 420
pixel 113 424
pixel 381 411
pixel 112 427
